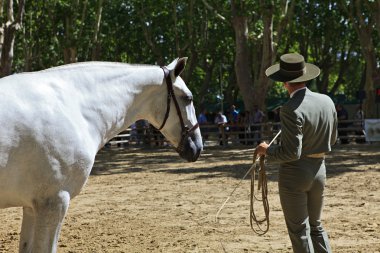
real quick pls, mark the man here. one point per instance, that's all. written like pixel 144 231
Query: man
pixel 221 121
pixel 342 116
pixel 203 122
pixel 258 117
pixel 309 128
pixel 234 114
pixel 202 118
pixel 359 123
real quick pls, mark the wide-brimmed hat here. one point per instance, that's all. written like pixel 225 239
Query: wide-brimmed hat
pixel 292 69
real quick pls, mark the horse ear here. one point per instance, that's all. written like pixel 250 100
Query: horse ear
pixel 180 66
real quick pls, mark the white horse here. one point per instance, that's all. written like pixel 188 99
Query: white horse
pixel 53 122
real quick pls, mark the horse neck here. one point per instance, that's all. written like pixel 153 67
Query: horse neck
pixel 117 96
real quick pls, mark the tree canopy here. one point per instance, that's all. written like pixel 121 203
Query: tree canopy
pixel 229 43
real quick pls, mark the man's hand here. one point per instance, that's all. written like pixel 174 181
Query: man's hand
pixel 261 149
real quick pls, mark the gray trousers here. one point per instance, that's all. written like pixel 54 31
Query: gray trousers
pixel 301 186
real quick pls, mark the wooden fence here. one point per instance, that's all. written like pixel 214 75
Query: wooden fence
pixel 349 131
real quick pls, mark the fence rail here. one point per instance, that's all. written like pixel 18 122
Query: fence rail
pixel 233 134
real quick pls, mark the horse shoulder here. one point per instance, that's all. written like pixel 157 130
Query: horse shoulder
pixel 44 141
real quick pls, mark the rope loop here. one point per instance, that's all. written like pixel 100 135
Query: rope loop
pixel 262 184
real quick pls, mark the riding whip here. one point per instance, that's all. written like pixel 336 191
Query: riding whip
pixel 246 174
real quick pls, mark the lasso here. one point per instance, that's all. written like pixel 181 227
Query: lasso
pixel 262 184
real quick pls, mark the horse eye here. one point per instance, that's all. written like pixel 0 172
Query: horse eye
pixel 188 98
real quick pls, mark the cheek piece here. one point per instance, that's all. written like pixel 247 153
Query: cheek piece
pixel 186 131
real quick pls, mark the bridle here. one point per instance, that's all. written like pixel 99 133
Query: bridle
pixel 186 131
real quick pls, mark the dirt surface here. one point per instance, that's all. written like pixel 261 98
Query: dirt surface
pixel 149 200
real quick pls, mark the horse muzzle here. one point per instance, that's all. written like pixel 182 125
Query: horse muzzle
pixel 190 147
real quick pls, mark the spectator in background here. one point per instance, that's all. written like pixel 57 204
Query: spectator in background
pixel 159 139
pixel 242 127
pixel 248 121
pixel 258 117
pixel 133 133
pixel 234 115
pixel 202 120
pixel 234 121
pixel 142 131
pixel 359 123
pixel 342 116
pixel 221 121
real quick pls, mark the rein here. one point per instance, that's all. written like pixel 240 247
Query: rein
pixel 186 131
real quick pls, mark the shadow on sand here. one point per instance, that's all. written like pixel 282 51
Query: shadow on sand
pixel 223 162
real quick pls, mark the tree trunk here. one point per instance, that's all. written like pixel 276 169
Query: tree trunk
pixel 376 8
pixel 70 55
pixel 74 22
pixel 263 82
pixel 364 31
pixel 287 15
pixel 96 47
pixel 147 32
pixel 1 27
pixel 70 50
pixel 343 67
pixel 371 75
pixel 189 44
pixel 242 61
pixel 8 36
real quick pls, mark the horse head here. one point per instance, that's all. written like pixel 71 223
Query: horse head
pixel 177 119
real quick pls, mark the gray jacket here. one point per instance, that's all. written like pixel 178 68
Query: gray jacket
pixel 309 126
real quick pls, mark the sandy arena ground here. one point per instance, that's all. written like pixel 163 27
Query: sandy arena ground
pixel 152 201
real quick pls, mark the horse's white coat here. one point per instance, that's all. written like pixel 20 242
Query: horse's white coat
pixel 53 122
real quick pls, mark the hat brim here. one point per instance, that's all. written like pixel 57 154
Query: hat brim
pixel 311 72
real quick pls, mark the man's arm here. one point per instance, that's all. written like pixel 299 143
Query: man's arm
pixel 291 139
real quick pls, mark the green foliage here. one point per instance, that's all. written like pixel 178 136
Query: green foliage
pixel 156 32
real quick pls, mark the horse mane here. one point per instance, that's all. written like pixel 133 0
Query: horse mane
pixel 95 63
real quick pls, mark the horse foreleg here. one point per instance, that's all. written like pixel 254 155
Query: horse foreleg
pixel 27 230
pixel 50 213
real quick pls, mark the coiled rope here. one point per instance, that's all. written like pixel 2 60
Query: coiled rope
pixel 262 184
pixel 264 193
